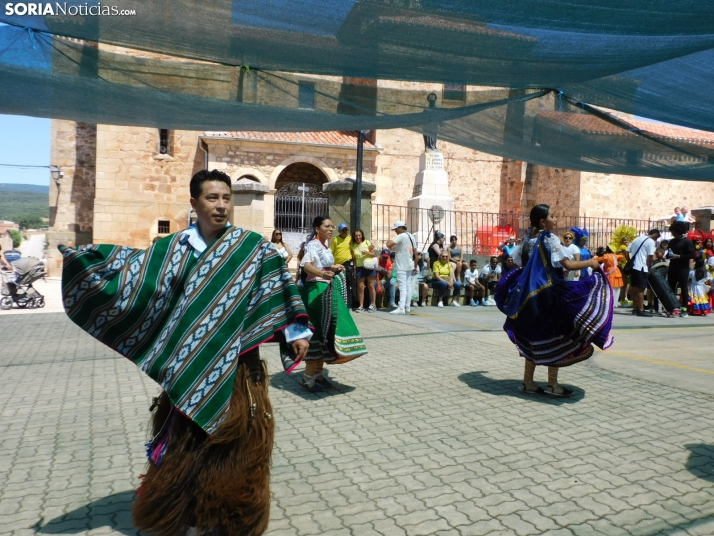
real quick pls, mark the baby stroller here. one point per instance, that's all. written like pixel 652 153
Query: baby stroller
pixel 19 289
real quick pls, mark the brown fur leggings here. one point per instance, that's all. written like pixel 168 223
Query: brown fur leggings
pixel 221 482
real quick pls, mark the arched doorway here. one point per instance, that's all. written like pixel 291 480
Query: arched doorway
pixel 299 197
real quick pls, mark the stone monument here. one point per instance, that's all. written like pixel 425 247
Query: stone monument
pixel 431 188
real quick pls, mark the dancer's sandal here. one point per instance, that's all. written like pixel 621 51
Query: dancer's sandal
pixel 315 387
pixel 323 382
pixel 550 390
pixel 538 391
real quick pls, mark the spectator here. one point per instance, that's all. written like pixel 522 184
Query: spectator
pixel 708 247
pixel 472 284
pixel 404 247
pixel 277 240
pixel 489 277
pixel 686 216
pixel 363 252
pixel 510 265
pixel 621 253
pixel 677 216
pixel 3 262
pixel 435 248
pixel 456 258
pixel 384 280
pixel 570 247
pixel 581 240
pixel 341 247
pixel 700 284
pixel 422 286
pixel 679 262
pixel 608 260
pixel 507 247
pixel 641 250
pixel 444 280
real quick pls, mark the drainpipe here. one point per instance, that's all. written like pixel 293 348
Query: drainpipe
pixel 204 148
pixel 358 181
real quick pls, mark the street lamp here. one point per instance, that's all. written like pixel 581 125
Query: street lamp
pixel 56 174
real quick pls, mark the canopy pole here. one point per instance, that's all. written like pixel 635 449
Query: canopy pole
pixel 358 181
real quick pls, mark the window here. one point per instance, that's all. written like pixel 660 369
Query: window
pixel 164 141
pixel 454 92
pixel 164 227
pixel 306 95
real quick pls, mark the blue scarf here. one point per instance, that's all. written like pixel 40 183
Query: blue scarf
pixel 535 277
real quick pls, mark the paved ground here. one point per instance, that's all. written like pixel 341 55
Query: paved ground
pixel 425 435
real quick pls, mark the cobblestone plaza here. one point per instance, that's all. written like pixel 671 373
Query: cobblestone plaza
pixel 427 434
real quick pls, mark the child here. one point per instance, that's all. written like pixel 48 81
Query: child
pixel 472 284
pixel 699 284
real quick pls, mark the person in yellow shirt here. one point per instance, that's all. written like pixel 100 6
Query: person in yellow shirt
pixel 341 247
pixel 444 280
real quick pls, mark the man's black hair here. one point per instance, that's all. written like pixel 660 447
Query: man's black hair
pixel 196 186
pixel 653 231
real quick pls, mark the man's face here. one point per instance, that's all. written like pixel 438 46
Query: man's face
pixel 509 262
pixel 344 232
pixel 473 266
pixel 212 206
pixel 493 263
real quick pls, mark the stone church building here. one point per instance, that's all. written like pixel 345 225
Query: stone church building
pixel 127 185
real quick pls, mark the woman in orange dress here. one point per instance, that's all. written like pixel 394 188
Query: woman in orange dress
pixel 610 266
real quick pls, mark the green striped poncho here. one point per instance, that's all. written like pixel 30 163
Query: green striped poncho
pixel 184 321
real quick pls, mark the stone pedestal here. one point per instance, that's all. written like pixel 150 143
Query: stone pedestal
pixel 703 218
pixel 341 204
pixel 431 187
pixel 249 205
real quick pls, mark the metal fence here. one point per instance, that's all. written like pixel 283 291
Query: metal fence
pixel 295 213
pixel 480 233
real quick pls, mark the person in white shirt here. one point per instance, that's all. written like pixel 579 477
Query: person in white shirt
pixel 404 263
pixel 489 277
pixel 641 250
pixel 472 284
pixel 574 251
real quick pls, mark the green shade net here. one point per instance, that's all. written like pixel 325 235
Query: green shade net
pixel 525 73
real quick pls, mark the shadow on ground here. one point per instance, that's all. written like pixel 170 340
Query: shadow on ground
pixel 701 461
pixel 113 512
pixel 291 384
pixel 477 380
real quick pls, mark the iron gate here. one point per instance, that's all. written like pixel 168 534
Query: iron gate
pixel 297 204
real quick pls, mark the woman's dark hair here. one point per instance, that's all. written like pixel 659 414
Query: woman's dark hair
pixel 196 184
pixel 600 251
pixel 699 270
pixel 539 212
pixel 272 237
pixel 317 222
pixel 608 249
pixel 679 227
pixel 354 233
pixel 453 237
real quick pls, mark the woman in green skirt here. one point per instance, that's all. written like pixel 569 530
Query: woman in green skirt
pixel 336 338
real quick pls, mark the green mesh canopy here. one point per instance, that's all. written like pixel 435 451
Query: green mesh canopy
pixel 565 84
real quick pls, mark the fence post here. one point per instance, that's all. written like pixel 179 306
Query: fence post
pixel 341 203
pixel 249 205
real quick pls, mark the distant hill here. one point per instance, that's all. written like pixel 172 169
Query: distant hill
pixel 34 188
pixel 25 204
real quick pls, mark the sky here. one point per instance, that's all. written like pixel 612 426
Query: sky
pixel 24 141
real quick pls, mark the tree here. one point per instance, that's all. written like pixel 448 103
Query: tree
pixel 16 237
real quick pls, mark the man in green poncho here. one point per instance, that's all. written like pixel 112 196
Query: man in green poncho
pixel 191 311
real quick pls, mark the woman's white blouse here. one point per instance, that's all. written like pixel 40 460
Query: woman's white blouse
pixel 552 243
pixel 319 256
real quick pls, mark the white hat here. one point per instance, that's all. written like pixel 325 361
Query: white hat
pixel 398 224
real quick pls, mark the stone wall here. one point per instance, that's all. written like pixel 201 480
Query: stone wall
pixel 623 196
pixel 71 199
pixel 474 177
pixel 557 187
pixel 137 186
